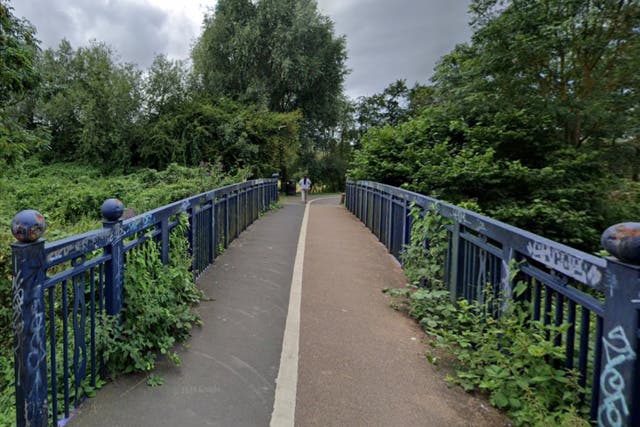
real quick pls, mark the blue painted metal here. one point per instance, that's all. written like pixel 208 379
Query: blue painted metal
pixel 623 241
pixel 28 225
pixel 84 275
pixel 561 280
pixel 112 209
pixel 29 333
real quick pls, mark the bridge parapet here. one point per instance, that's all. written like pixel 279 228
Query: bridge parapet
pixel 599 298
pixel 81 276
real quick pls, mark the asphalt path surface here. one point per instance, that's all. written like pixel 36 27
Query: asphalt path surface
pixel 349 358
pixel 228 370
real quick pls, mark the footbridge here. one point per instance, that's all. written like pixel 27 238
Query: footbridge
pixel 295 329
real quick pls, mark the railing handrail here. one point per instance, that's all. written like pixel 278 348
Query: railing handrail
pixel 59 251
pixel 495 229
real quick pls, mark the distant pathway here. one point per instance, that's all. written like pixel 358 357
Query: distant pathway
pixel 348 358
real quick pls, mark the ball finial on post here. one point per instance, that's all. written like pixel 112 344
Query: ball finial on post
pixel 623 241
pixel 28 225
pixel 112 209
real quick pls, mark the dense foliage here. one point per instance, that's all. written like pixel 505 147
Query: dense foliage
pixel 536 119
pixel 282 54
pixel 510 357
pixel 70 196
pixel 282 113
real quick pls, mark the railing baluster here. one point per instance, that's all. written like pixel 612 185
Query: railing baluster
pixel 570 343
pixel 583 357
pixel 65 346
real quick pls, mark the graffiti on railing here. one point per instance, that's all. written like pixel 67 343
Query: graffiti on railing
pixel 614 404
pixel 18 321
pixel 37 354
pixel 565 263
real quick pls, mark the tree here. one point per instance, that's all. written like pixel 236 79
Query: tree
pixel 91 103
pixel 529 120
pixel 18 77
pixel 280 53
pixel 224 55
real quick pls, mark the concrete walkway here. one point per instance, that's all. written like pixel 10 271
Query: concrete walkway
pixel 355 362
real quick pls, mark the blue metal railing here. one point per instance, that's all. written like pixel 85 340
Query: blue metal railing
pixel 62 288
pixel 598 298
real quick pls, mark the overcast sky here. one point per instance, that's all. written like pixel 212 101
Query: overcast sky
pixel 386 39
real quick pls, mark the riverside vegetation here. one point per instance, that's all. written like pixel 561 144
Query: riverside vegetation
pixel 508 356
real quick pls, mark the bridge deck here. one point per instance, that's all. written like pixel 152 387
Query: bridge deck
pixel 360 362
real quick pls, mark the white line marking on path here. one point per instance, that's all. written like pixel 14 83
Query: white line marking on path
pixel 284 406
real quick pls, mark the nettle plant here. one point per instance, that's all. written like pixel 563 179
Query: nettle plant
pixel 158 305
pixel 501 352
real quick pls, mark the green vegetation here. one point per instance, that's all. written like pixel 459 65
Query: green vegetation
pixel 70 196
pixel 283 55
pixel 157 313
pixel 78 126
pixel 536 119
pixel 510 357
pixel 274 108
pixel 534 122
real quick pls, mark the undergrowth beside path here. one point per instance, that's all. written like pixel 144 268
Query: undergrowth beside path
pixel 158 308
pixel 508 356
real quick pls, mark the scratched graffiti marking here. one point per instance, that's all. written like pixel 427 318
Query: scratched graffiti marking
pixel 460 217
pixel 36 358
pixel 614 403
pixel 18 320
pixel 565 263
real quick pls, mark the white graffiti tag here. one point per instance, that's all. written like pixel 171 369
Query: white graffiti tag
pixel 614 403
pixel 18 321
pixel 565 263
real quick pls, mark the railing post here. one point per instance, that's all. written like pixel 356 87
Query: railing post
pixel 619 400
pixel 506 283
pixel 164 239
pixel 214 230
pixel 389 225
pixel 112 210
pixel 226 220
pixel 619 391
pixel 30 358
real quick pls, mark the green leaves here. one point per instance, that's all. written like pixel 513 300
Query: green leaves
pixel 504 354
pixel 158 300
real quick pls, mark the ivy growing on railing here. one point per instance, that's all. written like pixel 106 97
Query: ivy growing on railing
pixel 504 354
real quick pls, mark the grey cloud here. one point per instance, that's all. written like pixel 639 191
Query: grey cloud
pixel 138 31
pixel 390 40
pixel 386 39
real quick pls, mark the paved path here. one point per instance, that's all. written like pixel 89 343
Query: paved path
pixel 349 359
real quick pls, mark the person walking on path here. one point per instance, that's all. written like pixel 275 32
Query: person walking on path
pixel 305 186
